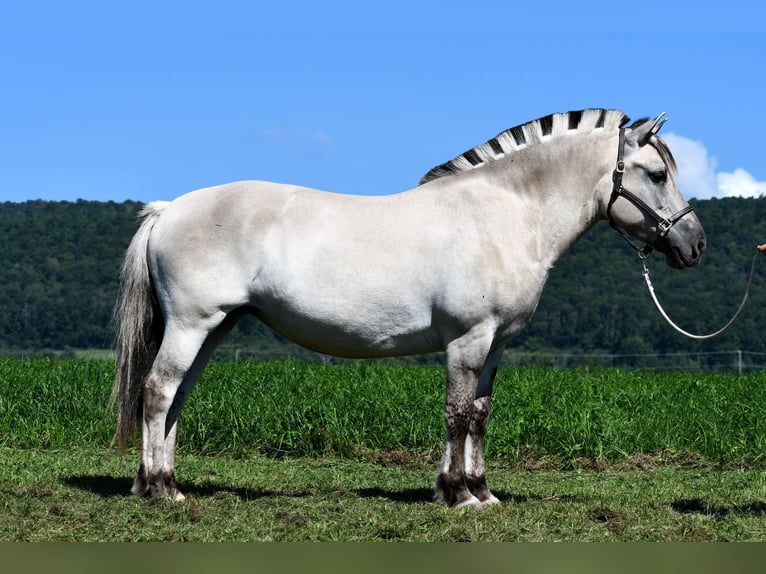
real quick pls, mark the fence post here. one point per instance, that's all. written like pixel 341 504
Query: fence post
pixel 739 361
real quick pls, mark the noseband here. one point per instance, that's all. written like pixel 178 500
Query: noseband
pixel 664 224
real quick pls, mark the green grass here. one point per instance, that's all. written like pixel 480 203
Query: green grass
pixel 305 409
pixel 296 451
pixel 79 495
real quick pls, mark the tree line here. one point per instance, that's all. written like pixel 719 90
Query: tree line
pixel 59 263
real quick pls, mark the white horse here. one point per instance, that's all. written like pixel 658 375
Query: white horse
pixel 456 264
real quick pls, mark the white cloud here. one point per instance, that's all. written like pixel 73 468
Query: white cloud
pixel 698 176
pixel 740 183
pixel 299 139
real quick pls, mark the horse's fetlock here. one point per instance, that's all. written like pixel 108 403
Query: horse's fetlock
pixel 140 483
pixel 477 484
pixel 452 491
pixel 157 486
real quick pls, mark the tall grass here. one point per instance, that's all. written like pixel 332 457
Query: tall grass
pixel 55 403
pixel 294 408
pixel 614 414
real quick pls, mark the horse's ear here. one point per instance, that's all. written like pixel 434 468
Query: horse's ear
pixel 657 124
pixel 646 130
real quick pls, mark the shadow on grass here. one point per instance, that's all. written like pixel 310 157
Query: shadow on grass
pixel 111 486
pixel 699 506
pixel 422 495
pixel 108 486
pixel 101 485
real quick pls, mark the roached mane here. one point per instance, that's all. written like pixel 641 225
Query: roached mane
pixel 527 134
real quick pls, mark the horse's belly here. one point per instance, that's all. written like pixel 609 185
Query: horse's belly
pixel 360 335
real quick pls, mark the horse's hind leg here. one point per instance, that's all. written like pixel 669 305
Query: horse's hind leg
pixel 192 375
pixel 171 371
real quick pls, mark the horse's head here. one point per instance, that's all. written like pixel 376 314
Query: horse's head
pixel 645 200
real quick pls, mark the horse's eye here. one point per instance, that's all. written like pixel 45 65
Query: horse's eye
pixel 659 176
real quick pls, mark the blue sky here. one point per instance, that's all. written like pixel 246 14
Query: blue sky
pixel 148 100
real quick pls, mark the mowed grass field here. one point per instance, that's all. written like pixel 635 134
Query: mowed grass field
pixel 292 451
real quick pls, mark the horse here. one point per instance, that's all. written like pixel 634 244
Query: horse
pixel 456 264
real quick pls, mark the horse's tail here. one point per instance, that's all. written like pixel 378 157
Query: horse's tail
pixel 139 326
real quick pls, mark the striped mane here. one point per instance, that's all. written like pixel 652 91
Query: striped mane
pixel 527 134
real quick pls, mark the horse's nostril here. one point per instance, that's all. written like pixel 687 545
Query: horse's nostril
pixel 701 246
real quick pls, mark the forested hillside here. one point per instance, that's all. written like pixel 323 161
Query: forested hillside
pixel 59 266
pixel 596 300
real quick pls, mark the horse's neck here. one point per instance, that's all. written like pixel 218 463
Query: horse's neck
pixel 559 189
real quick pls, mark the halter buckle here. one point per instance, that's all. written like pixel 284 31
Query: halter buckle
pixel 663 226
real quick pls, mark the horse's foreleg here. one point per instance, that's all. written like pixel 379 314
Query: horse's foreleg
pixel 474 446
pixel 474 452
pixel 451 486
pixel 464 362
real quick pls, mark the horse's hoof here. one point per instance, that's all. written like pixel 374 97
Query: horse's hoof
pixel 472 502
pixel 176 495
pixel 491 501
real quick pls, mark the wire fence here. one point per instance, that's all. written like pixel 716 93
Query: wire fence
pixel 731 362
pixel 736 361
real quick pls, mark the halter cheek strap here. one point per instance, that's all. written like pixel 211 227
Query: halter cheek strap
pixel 664 224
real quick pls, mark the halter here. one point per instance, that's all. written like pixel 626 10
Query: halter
pixel 663 227
pixel 663 224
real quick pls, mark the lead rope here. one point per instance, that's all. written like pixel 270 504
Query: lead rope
pixel 679 329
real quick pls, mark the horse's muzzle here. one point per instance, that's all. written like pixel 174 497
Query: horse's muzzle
pixel 682 246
